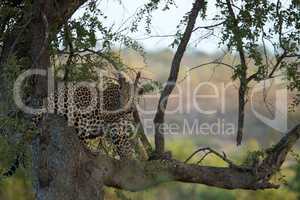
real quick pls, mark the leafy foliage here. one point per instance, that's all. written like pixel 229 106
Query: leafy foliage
pixel 183 23
pixel 151 86
pixel 253 158
pixel 145 13
pixel 267 24
pixel 85 44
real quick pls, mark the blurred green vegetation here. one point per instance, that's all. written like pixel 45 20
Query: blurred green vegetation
pixel 17 187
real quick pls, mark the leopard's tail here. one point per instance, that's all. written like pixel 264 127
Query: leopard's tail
pixel 13 168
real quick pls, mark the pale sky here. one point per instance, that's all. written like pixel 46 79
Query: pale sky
pixel 163 23
pixel 120 15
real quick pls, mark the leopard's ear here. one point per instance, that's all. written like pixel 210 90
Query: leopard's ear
pixel 124 89
pixel 129 88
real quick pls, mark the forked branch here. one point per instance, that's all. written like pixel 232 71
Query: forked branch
pixel 208 151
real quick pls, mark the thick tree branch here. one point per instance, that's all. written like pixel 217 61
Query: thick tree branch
pixel 277 154
pixel 162 104
pixel 136 175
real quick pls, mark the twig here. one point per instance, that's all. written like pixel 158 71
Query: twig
pixel 174 35
pixel 202 65
pixel 19 36
pixel 210 150
pixel 203 157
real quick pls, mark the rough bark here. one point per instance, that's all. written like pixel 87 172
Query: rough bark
pixel 62 166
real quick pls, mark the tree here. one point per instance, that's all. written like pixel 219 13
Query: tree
pixel 34 32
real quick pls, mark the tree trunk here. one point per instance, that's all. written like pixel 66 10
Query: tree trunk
pixel 61 166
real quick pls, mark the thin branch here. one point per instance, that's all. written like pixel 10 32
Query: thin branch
pixel 243 72
pixel 265 50
pixel 203 157
pixel 162 104
pixel 174 35
pixel 19 36
pixel 69 42
pixel 141 133
pixel 202 65
pixel 274 69
pixel 279 60
pixel 210 150
pixel 210 26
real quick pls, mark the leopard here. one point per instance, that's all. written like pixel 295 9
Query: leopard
pixel 94 113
